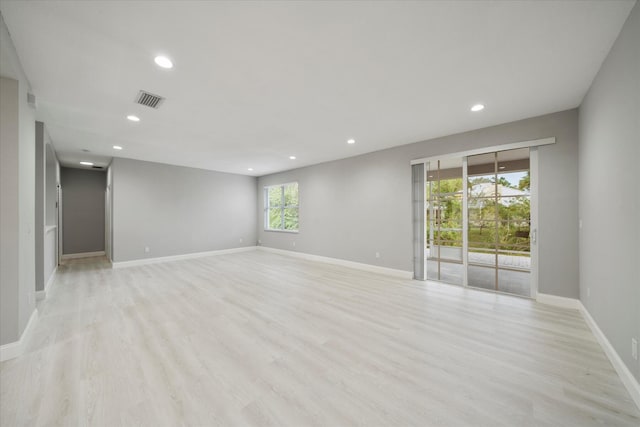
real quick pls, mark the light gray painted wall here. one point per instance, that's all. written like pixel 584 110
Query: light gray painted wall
pixel 609 195
pixel 52 180
pixel 50 255
pixel 39 205
pixel 177 210
pixel 9 235
pixel 82 210
pixel 26 203
pixel 352 208
pixel 108 243
pixel 17 194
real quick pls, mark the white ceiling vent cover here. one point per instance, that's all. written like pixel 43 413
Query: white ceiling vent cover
pixel 149 99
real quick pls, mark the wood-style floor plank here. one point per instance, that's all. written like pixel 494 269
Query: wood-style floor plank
pixel 262 339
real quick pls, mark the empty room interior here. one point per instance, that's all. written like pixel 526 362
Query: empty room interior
pixel 345 213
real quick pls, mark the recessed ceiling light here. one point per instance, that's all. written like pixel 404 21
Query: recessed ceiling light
pixel 249 169
pixel 133 118
pixel 477 107
pixel 292 157
pixel 86 163
pixel 117 147
pixel 502 167
pixel 163 61
pixel 351 141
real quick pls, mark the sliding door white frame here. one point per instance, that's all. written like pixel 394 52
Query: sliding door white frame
pixel 533 237
pixel 465 223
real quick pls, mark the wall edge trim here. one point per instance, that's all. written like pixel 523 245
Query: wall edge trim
pixel 83 255
pixel 144 261
pixel 402 274
pixel 627 378
pixel 14 349
pixel 557 301
pixel 40 295
pixel 629 381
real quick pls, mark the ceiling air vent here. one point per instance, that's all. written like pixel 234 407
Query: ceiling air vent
pixel 149 99
pixel 97 167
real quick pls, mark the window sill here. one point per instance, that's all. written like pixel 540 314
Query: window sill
pixel 281 231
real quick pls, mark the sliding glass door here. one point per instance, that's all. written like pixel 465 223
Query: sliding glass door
pixel 499 221
pixel 477 216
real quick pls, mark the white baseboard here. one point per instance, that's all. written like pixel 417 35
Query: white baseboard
pixel 15 349
pixel 557 301
pixel 40 295
pixel 336 261
pixel 629 381
pixel 625 375
pixel 136 262
pixel 83 255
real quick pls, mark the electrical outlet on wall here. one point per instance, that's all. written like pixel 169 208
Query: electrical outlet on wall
pixel 146 249
pixel 634 348
pixel 294 244
pixel 241 240
pixel 377 254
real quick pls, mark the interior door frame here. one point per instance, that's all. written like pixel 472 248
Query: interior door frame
pixel 534 197
pixel 59 196
pixel 107 223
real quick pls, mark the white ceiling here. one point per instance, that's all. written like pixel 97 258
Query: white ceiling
pixel 255 82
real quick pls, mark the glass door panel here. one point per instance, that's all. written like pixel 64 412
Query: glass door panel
pixel 499 218
pixel 443 215
pixel 514 282
pixel 481 277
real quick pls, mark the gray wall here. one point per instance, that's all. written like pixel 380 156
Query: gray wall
pixel 17 204
pixel 8 211
pixel 352 208
pixel 52 180
pixel 108 243
pixel 82 210
pixel 609 195
pixel 39 205
pixel 176 210
pixel 17 195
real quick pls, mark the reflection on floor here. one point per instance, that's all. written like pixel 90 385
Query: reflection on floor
pixel 483 275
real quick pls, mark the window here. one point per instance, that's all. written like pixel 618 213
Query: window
pixel 281 207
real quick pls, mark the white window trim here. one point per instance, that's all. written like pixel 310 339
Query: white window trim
pixel 265 194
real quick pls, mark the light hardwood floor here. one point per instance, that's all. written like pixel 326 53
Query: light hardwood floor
pixel 258 338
